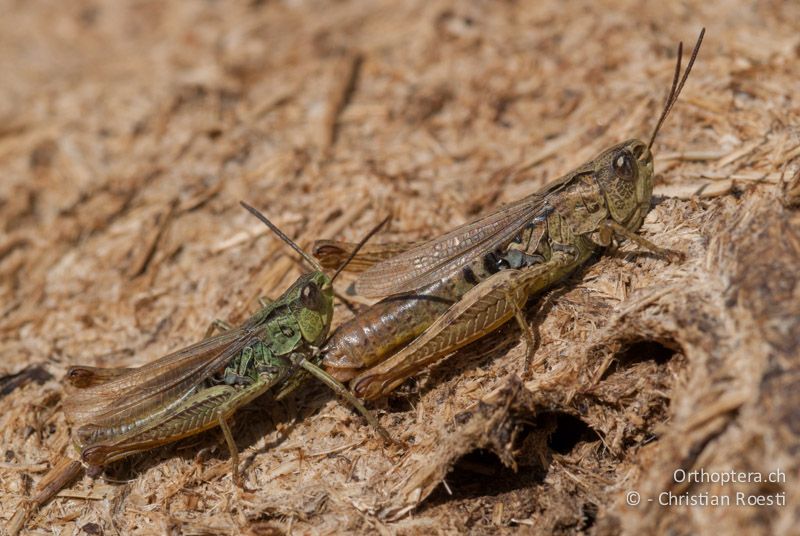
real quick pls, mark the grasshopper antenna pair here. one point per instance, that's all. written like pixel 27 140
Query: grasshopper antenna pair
pixel 313 368
pixel 677 86
pixel 308 258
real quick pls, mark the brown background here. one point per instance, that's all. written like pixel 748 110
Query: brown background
pixel 130 130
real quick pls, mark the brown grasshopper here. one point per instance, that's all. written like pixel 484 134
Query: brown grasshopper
pixel 454 289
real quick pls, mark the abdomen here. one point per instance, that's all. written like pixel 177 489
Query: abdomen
pixel 387 326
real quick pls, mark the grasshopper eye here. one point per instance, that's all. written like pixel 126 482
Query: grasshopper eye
pixel 311 297
pixel 624 166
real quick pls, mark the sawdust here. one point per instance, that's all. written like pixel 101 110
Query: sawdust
pixel 129 132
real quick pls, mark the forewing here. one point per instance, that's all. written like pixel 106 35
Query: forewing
pixel 332 254
pixel 139 391
pixel 82 376
pixel 438 258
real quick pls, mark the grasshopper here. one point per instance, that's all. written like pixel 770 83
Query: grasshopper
pixel 117 412
pixel 452 290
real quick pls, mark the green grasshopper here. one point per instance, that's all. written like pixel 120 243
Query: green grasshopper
pixel 117 412
pixel 454 289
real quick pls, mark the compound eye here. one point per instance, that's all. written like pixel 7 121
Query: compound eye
pixel 311 297
pixel 624 166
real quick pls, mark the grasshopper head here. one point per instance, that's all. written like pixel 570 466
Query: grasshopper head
pixel 625 173
pixel 312 299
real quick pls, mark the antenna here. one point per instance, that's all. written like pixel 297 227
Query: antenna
pixel 359 246
pixel 309 259
pixel 675 91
